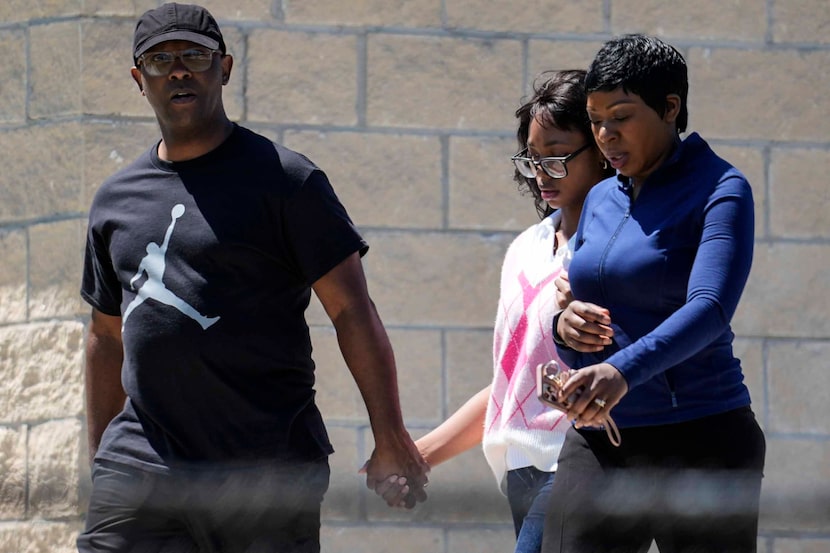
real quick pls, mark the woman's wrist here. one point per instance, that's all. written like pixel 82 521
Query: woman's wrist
pixel 557 339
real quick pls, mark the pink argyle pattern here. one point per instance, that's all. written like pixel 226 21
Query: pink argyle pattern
pixel 517 424
pixel 526 342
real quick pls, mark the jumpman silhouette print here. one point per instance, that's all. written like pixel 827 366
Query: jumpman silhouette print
pixel 153 287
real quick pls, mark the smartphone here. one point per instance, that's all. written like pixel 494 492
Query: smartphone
pixel 550 378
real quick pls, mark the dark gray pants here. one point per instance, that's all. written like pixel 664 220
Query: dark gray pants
pixel 692 487
pixel 266 508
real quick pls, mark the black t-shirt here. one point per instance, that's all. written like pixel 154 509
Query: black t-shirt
pixel 209 263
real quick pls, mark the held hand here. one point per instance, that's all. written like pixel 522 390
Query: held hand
pixel 397 473
pixel 393 489
pixel 585 327
pixel 600 387
pixel 563 291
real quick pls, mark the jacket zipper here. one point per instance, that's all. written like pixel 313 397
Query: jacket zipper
pixel 611 241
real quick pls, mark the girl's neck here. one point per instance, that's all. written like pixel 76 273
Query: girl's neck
pixel 568 221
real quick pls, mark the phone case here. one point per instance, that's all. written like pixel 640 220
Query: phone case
pixel 550 378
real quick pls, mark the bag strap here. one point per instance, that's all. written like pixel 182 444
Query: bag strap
pixel 612 431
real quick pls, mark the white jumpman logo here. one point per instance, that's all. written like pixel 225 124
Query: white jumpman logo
pixel 153 265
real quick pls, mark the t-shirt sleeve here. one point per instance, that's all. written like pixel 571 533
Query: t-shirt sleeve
pixel 318 228
pixel 99 286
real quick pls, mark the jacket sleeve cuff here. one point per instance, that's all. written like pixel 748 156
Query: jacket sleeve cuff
pixel 557 339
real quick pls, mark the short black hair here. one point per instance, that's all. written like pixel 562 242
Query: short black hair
pixel 645 66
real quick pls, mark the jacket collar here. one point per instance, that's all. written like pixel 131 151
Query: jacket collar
pixel 681 150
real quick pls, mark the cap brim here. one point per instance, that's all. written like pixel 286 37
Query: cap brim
pixel 189 36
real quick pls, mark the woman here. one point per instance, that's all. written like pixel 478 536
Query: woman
pixel 558 163
pixel 661 257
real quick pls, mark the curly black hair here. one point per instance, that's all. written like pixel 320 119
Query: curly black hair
pixel 558 99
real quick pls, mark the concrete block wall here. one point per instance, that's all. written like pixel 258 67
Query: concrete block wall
pixel 407 105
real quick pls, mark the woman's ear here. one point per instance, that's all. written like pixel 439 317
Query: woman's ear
pixel 673 103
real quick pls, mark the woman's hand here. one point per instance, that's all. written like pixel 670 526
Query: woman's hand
pixel 564 296
pixel 584 327
pixel 599 387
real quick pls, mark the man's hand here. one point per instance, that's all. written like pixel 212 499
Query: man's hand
pixel 397 473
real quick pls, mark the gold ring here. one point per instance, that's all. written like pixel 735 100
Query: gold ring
pixel 600 402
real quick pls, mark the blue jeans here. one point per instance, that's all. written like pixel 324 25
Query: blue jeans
pixel 528 490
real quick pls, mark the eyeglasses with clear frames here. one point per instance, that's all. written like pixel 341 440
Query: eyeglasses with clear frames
pixel 554 167
pixel 159 64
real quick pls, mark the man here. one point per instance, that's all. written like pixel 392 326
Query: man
pixel 201 257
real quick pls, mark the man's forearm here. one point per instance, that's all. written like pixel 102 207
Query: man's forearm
pixel 104 394
pixel 368 354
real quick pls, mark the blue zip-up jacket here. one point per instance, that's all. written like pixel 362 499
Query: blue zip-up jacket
pixel 670 267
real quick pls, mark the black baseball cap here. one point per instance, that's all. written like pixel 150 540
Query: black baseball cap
pixel 177 22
